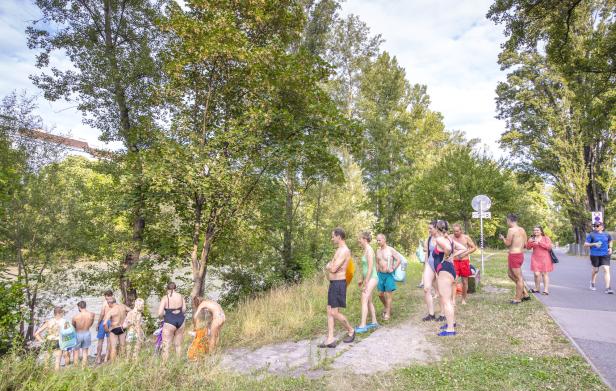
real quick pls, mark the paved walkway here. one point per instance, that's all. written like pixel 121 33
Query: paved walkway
pixel 587 317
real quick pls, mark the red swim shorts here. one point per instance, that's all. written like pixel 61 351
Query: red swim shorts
pixel 463 267
pixel 515 260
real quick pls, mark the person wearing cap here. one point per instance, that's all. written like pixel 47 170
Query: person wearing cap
pixel 600 244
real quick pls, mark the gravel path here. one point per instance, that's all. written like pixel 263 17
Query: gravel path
pixel 384 349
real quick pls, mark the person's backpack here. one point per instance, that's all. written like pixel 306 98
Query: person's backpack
pixel 400 271
pixel 68 336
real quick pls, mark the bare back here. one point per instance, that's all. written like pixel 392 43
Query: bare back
pixel 517 237
pixel 83 321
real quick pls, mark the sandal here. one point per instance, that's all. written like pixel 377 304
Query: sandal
pixel 446 333
pixel 444 327
pixel 329 345
pixel 349 338
pixel 545 293
pixel 527 298
pixel 361 330
pixel 514 302
pixel 534 291
pixel 385 318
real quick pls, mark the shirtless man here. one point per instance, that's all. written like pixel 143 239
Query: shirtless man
pixel 516 242
pixel 82 322
pixel 115 315
pixel 336 295
pixel 462 263
pixel 101 333
pixel 387 260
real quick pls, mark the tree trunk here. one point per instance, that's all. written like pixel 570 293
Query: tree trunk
pixel 287 244
pixel 131 258
pixel 317 224
pixel 199 267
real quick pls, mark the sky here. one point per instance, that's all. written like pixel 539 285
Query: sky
pixel 447 45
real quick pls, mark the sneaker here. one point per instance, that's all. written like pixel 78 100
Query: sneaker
pixel 592 287
pixel 609 291
pixel 428 318
pixel 444 327
pixel 370 326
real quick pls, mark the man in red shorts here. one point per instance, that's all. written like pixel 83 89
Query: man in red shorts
pixel 462 262
pixel 516 241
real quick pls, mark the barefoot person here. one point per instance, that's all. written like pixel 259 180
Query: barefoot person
pixel 113 321
pixel 51 343
pixel 516 242
pixel 462 262
pixel 206 338
pixel 82 322
pixel 429 274
pixel 445 251
pixel 133 324
pixel 101 333
pixel 367 283
pixel 172 309
pixel 387 260
pixel 600 244
pixel 541 261
pixel 336 295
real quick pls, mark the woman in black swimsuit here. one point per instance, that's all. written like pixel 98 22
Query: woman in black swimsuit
pixel 172 309
pixel 444 252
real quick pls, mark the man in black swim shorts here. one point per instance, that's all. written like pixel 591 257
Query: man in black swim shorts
pixel 336 295
pixel 116 315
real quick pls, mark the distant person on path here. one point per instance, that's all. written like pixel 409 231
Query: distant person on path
pixel 516 242
pixel 336 295
pixel 113 321
pixel 367 284
pixel 133 324
pixel 82 322
pixel 444 253
pixel 429 274
pixel 206 338
pixel 600 244
pixel 387 260
pixel 462 262
pixel 172 309
pixel 101 333
pixel 51 343
pixel 541 261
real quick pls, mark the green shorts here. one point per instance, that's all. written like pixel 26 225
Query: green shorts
pixel 387 283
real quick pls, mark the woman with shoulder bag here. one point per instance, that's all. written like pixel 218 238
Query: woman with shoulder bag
pixel 541 260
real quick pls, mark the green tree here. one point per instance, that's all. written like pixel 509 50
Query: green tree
pixel 399 130
pixel 244 108
pixel 113 47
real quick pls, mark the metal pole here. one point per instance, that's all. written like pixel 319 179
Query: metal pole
pixel 481 238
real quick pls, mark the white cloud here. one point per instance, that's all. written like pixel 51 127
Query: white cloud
pixel 17 63
pixel 451 47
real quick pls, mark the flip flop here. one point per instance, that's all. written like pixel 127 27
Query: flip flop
pixel 446 333
pixel 330 345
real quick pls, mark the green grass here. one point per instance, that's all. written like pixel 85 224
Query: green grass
pixel 499 347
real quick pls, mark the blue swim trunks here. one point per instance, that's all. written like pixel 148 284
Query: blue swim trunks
pixel 101 330
pixel 387 283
